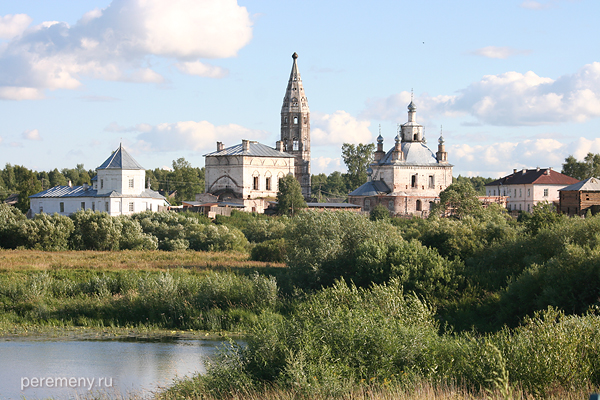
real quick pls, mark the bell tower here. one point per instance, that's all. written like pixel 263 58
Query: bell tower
pixel 295 127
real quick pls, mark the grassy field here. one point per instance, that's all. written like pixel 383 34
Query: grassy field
pixel 14 260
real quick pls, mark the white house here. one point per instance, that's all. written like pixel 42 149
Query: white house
pixel 527 187
pixel 118 188
pixel 249 170
pixel 407 179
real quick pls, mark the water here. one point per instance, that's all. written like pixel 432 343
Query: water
pixel 113 367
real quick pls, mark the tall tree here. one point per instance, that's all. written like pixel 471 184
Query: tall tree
pixel 289 196
pixel 187 180
pixel 459 200
pixel 588 168
pixel 357 159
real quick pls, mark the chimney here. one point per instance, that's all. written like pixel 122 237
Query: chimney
pixel 524 171
pixel 246 145
pixel 70 183
pixel 85 186
pixel 514 171
pixel 279 145
pixel 220 146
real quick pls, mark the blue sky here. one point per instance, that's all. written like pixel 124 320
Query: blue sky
pixel 514 83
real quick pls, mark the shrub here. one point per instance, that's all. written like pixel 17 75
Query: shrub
pixel 11 218
pixel 95 231
pixel 269 251
pixel 47 232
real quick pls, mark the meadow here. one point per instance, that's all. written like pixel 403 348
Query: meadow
pixel 476 306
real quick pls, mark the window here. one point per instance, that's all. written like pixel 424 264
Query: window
pixel 41 208
pixel 528 194
pixel 545 192
pixel 520 192
pixel 106 206
pixel 295 120
pixel 93 206
pixel 101 183
pixel 295 144
pixel 367 204
pixel 285 120
pixel 83 205
pixel 528 208
pixel 413 181
pixel 519 207
pixel 150 206
pixel 62 207
pixel 419 206
pixel 131 207
pixel 131 183
pixel 431 182
pixel 494 192
pixel 255 183
pixel 268 183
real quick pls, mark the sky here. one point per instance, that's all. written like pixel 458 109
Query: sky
pixel 510 84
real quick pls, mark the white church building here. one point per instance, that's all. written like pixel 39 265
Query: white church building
pixel 119 188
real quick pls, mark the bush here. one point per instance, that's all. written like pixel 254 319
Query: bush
pixel 11 219
pixel 95 231
pixel 260 230
pixel 269 251
pixel 47 232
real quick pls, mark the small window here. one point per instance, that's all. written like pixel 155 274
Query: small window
pixel 131 183
pixel 545 192
pixel 285 121
pixel 41 208
pixel 520 194
pixel 255 183
pixel 150 206
pixel 528 208
pixel 295 146
pixel 528 194
pixel 106 206
pixel 93 206
pixel 419 205
pixel 83 205
pixel 431 182
pixel 101 183
pixel 131 207
pixel 367 204
pixel 62 207
pixel 296 120
pixel 494 192
pixel 413 181
pixel 268 183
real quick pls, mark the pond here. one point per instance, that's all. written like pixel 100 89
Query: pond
pixel 70 368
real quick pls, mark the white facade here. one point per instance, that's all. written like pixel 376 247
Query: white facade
pixel 408 178
pixel 246 171
pixel 118 189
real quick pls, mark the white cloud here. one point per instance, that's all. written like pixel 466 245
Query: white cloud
pixel 338 128
pixel 32 134
pixel 202 69
pixel 509 99
pixel 326 165
pixel 499 52
pixel 193 136
pixel 500 158
pixel 116 43
pixel 20 93
pixel 13 25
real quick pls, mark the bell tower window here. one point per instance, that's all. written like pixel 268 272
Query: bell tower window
pixel 295 120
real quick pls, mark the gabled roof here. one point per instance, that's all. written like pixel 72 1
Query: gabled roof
pixel 545 176
pixel 588 185
pixel 371 188
pixel 80 191
pixel 254 149
pixel 120 159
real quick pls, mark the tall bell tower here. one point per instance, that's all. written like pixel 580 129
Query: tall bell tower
pixel 295 127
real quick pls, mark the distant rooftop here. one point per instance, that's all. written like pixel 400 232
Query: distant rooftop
pixel 120 159
pixel 254 149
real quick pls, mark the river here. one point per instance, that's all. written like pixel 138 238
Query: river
pixel 65 369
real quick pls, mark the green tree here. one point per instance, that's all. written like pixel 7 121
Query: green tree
pixel 459 200
pixel 542 216
pixel 289 196
pixel 357 159
pixel 588 168
pixel 56 178
pixel 187 180
pixel 379 212
pixel 27 185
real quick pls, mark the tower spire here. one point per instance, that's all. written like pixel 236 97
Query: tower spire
pixel 295 127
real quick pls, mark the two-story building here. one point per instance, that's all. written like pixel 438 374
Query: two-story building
pixel 527 187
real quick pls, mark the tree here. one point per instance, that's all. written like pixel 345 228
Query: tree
pixel 187 180
pixel 588 168
pixel 289 196
pixel 458 199
pixel 357 159
pixel 379 212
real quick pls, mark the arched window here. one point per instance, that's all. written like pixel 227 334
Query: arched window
pixel 367 205
pixel 295 143
pixel 295 120
pixel 419 206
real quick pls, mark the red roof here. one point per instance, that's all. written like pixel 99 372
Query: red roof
pixel 546 176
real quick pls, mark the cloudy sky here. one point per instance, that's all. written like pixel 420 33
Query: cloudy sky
pixel 512 83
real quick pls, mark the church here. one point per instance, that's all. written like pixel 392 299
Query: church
pixel 250 171
pixel 407 179
pixel 119 188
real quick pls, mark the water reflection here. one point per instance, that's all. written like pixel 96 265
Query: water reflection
pixel 133 366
